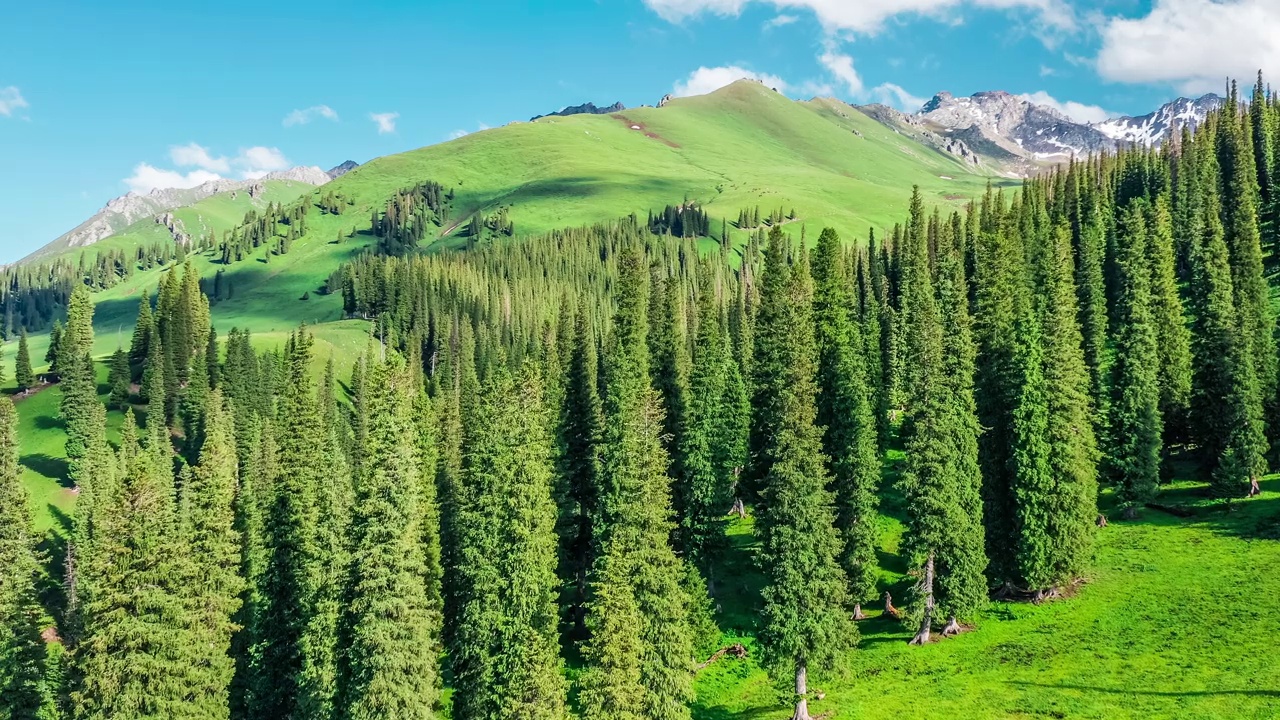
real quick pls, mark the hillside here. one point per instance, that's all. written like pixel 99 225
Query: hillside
pixel 744 146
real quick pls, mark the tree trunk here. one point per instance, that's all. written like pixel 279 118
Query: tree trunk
pixel 738 508
pixel 857 612
pixel 926 582
pixel 802 692
pixel 1254 489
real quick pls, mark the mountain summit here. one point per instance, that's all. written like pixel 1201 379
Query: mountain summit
pixel 1017 135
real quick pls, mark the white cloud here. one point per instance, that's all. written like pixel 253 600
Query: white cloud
pixel 1074 110
pixel 193 155
pixel 780 21
pixel 866 16
pixel 147 177
pixel 1192 44
pixel 841 66
pixel 705 80
pixel 10 100
pixel 463 133
pixel 894 95
pixel 386 122
pixel 1046 71
pixel 248 164
pixel 306 115
pixel 257 161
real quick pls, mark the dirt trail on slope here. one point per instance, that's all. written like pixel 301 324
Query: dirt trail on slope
pixel 640 127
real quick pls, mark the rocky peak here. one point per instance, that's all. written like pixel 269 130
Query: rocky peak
pixel 585 109
pixel 1154 127
pixel 343 169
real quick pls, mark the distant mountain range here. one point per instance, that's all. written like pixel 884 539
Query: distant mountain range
pixel 121 212
pixel 585 109
pixel 1018 136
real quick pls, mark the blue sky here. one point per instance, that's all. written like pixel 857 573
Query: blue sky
pixel 100 98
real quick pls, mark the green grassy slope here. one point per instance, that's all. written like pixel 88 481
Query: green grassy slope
pixel 1172 623
pixel 742 146
pixel 212 214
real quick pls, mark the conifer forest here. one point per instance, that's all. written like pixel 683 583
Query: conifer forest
pixel 515 502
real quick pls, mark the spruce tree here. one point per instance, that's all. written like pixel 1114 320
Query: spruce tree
pixel 704 490
pixel 216 552
pixel 670 362
pixel 1240 226
pixel 22 374
pixel 1226 402
pixel 55 340
pixel 296 672
pixel 388 666
pixel 76 339
pixel 1136 425
pixel 578 472
pixel 22 650
pixel 1068 508
pixel 959 585
pixel 844 410
pixel 118 380
pixel 139 346
pixel 806 626
pixel 138 656
pixel 1173 337
pixel 943 529
pixel 79 398
pixel 635 512
pixel 1011 398
pixel 154 386
pixel 1091 244
pixel 506 651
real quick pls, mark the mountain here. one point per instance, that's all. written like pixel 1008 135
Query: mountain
pixel 1017 136
pixel 587 109
pixel 121 212
pixel 743 146
pixel 343 169
pixel 1152 128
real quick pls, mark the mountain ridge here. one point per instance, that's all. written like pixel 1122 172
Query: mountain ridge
pixel 122 211
pixel 1019 136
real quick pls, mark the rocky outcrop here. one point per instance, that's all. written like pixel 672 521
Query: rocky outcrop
pixel 342 169
pixel 666 99
pixel 310 175
pixel 585 109
pixel 175 228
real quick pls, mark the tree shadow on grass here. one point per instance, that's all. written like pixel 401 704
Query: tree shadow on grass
pixel 50 422
pixel 719 712
pixel 1149 693
pixel 47 465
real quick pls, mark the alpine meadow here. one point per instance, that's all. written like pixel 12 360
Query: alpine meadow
pixel 735 406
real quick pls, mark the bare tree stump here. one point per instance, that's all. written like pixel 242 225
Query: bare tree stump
pixel 952 628
pixel 1102 520
pixel 857 612
pixel 735 651
pixel 1254 488
pixel 890 611
pixel 738 508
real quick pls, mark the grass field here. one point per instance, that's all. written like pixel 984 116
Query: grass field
pixel 1176 620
